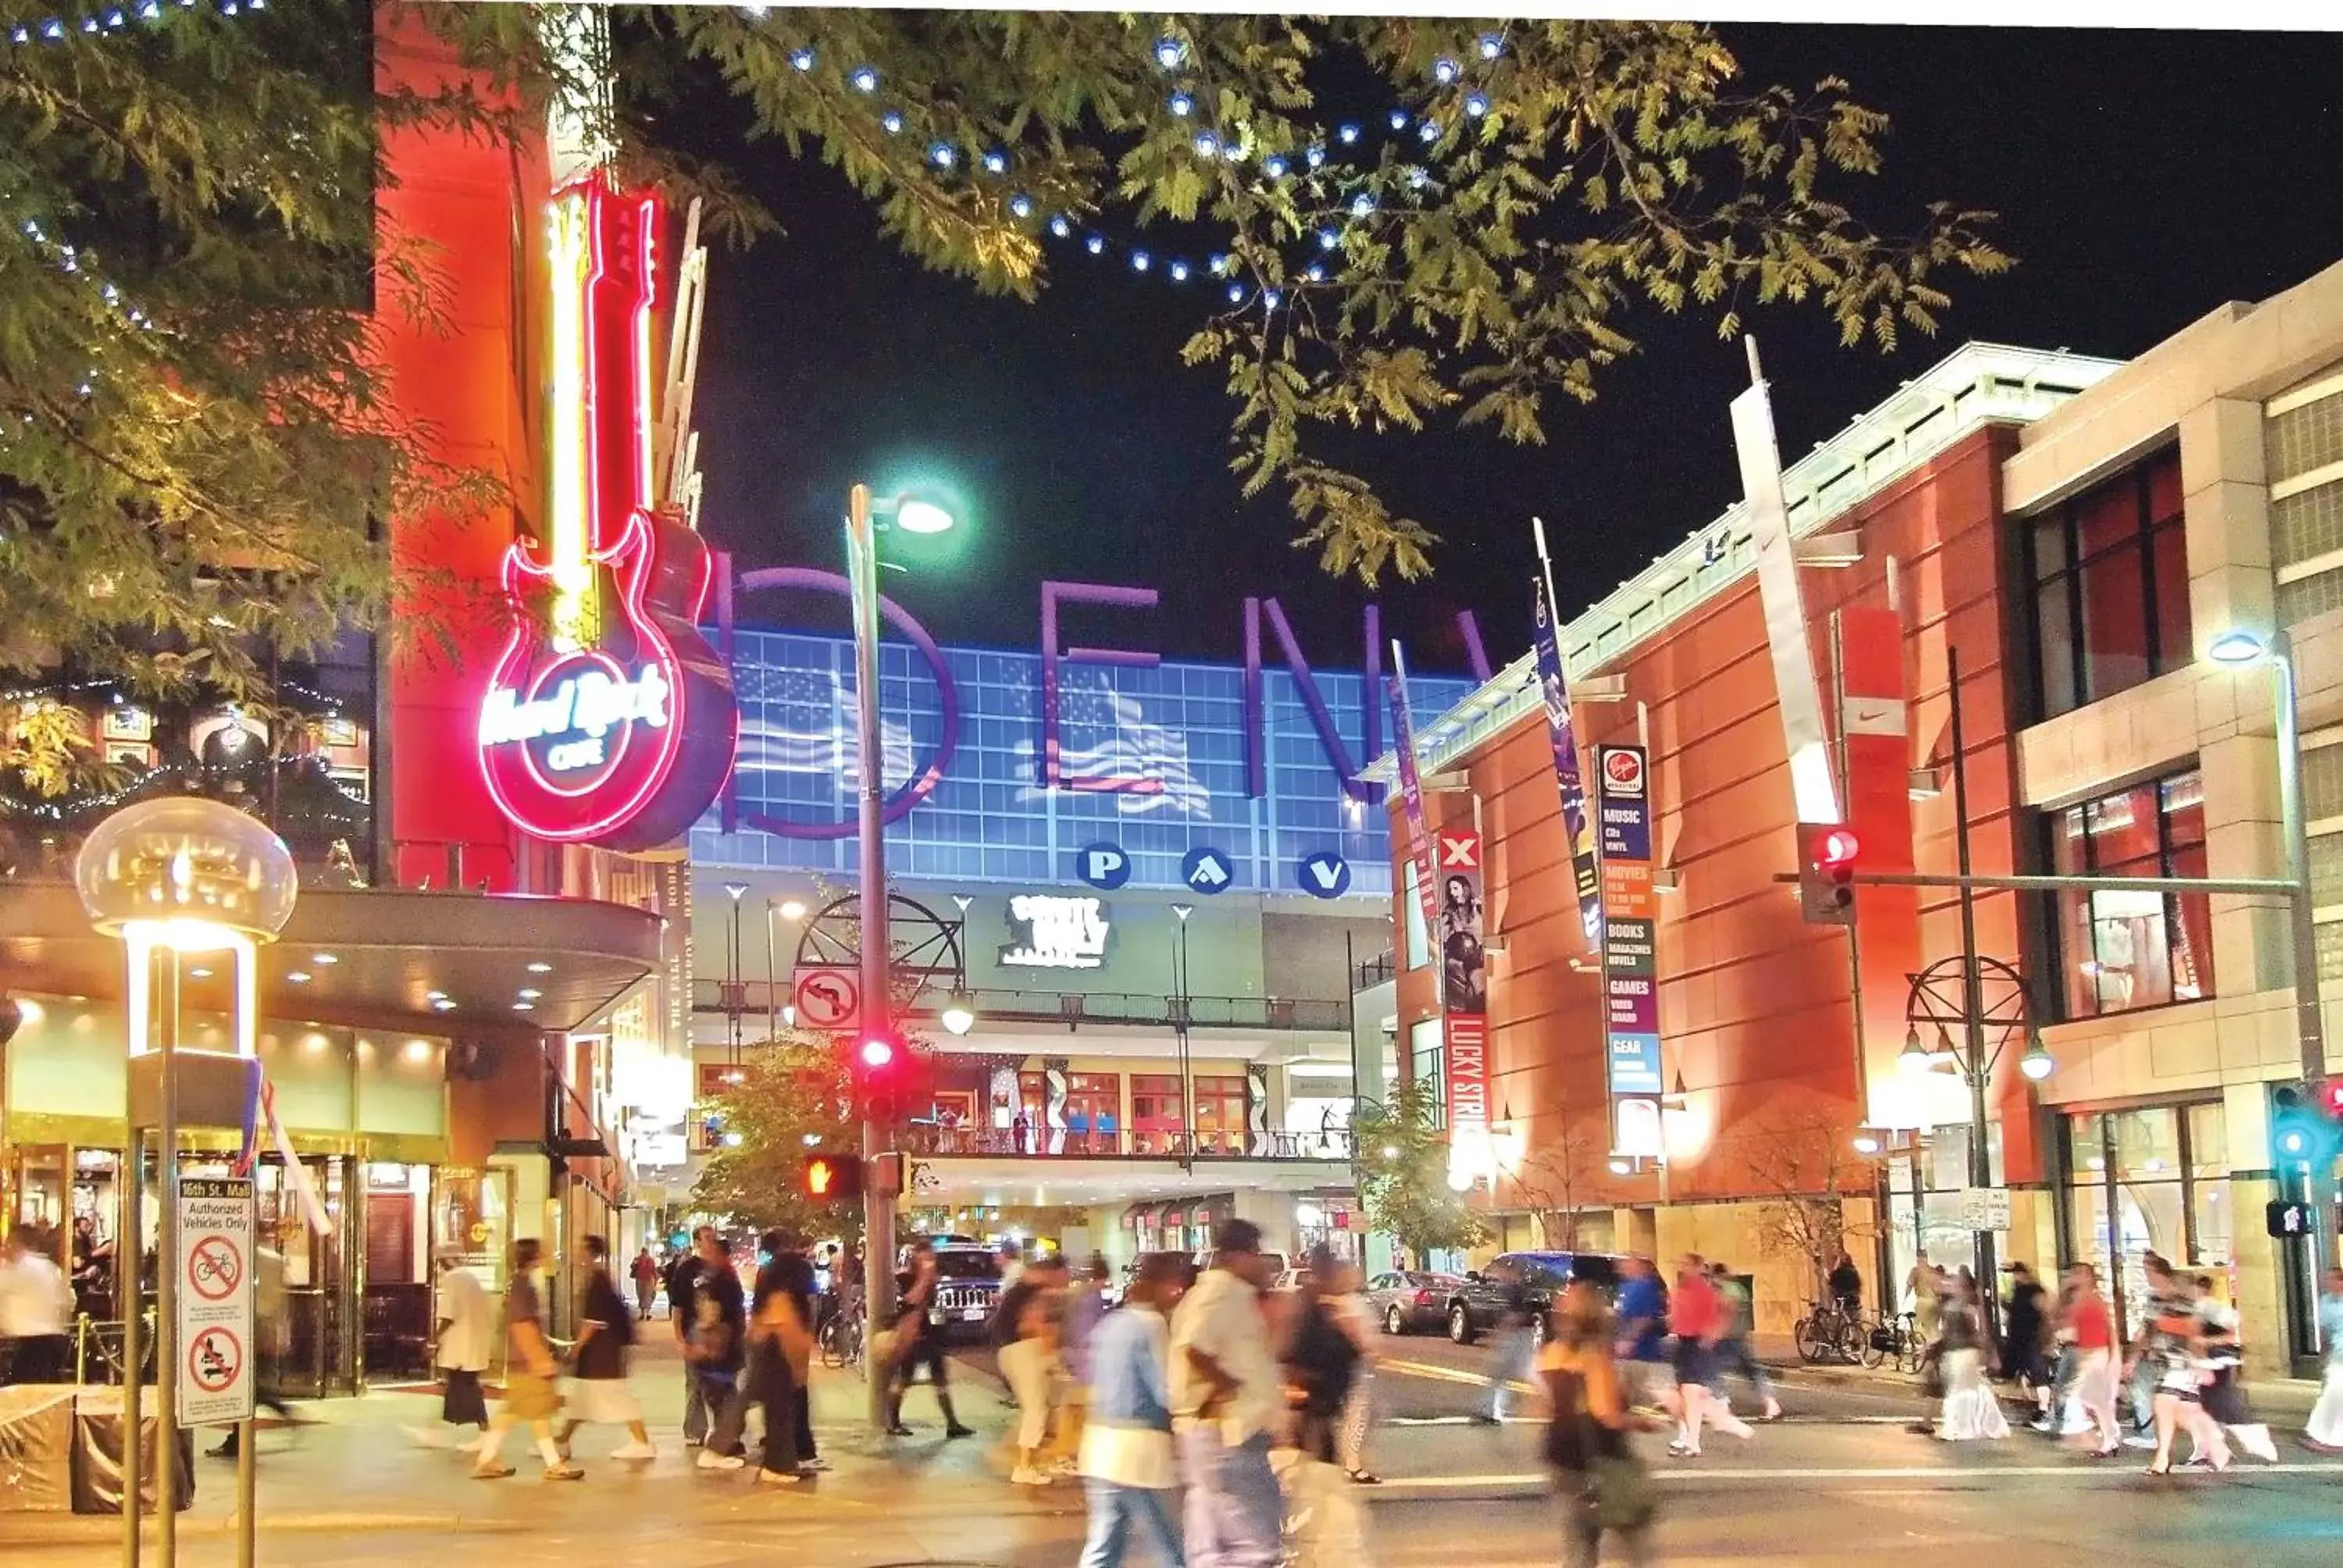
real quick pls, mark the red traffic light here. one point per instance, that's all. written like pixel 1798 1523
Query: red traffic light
pixel 2327 1095
pixel 831 1177
pixel 821 1177
pixel 1836 847
pixel 877 1052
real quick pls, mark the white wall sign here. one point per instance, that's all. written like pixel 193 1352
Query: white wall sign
pixel 215 1266
pixel 1052 931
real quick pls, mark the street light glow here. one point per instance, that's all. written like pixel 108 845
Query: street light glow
pixel 794 909
pixel 917 514
pixel 2236 647
pixel 2036 1063
pixel 958 1014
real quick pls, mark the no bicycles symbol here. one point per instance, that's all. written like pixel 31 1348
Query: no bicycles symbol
pixel 215 1268
pixel 213 1360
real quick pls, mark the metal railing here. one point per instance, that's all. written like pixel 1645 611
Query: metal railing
pixel 758 997
pixel 1121 1144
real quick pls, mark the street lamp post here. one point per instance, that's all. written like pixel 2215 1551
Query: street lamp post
pixel 913 515
pixel 2240 647
pixel 735 988
pixel 1179 1010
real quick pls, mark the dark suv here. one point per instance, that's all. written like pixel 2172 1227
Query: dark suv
pixel 1475 1304
pixel 968 1287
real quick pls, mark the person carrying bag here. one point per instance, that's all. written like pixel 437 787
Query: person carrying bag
pixel 1603 1489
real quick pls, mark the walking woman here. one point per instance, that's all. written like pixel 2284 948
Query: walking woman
pixel 2224 1396
pixel 1356 1318
pixel 1320 1361
pixel 1603 1487
pixel 2326 1428
pixel 1972 1411
pixel 2174 1350
pixel 2091 1333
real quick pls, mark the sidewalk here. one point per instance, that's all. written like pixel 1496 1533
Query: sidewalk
pixel 357 1469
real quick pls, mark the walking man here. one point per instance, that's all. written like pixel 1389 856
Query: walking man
pixel 1733 1353
pixel 1226 1398
pixel 532 1393
pixel 1643 1337
pixel 1028 1359
pixel 599 1390
pixel 780 1345
pixel 1128 1474
pixel 1698 1319
pixel 1509 1359
pixel 463 1338
pixel 919 1342
pixel 715 1340
pixel 683 1275
pixel 645 1271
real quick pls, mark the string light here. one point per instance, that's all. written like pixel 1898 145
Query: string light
pixel 864 79
pixel 1183 103
pixel 116 19
pixel 1207 145
pixel 802 58
pixel 1168 53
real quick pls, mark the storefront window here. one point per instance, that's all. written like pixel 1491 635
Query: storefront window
pixel 1221 1115
pixel 2121 951
pixel 2149 1179
pixel 1155 1120
pixel 1094 1112
pixel 1427 1061
pixel 2110 575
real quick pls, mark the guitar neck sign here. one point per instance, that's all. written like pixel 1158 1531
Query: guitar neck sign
pixel 609 719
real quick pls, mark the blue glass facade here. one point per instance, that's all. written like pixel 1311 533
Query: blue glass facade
pixel 1179 725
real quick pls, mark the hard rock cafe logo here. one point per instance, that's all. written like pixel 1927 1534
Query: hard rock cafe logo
pixel 609 719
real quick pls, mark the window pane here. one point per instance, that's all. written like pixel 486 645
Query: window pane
pixel 2148 1144
pixel 2109 515
pixel 2208 1139
pixel 2169 550
pixel 2163 496
pixel 2214 1246
pixel 2054 632
pixel 2123 829
pixel 2129 946
pixel 1419 945
pixel 2050 556
pixel 2114 623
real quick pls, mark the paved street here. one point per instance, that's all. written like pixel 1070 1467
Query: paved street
pixel 1840 1482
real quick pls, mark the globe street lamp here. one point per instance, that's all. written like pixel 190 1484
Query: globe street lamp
pixel 172 877
pixel 2238 649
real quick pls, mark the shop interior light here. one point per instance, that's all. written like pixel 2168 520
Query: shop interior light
pixel 540 968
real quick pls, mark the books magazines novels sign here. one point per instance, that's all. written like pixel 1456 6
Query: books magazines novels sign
pixel 1630 979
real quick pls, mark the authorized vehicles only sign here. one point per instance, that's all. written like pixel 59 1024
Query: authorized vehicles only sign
pixel 215 1308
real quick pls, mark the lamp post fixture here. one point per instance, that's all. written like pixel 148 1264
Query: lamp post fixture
pixel 172 877
pixel 1180 1009
pixel 917 514
pixel 2238 649
pixel 735 1000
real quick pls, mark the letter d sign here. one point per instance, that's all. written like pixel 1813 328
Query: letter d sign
pixel 1103 865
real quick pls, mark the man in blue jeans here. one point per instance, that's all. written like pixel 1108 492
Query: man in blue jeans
pixel 1226 1398
pixel 683 1278
pixel 1643 1350
pixel 1126 1461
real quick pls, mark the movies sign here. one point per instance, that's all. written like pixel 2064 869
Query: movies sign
pixel 1630 976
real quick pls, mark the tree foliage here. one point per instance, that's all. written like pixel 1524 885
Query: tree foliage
pixel 199 446
pixel 1400 1159
pixel 1616 168
pixel 196 445
pixel 793 1088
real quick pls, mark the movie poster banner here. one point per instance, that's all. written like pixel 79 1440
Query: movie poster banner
pixel 1630 978
pixel 1555 691
pixel 1464 991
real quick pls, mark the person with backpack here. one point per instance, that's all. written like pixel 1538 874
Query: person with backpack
pixel 1600 1484
pixel 597 1386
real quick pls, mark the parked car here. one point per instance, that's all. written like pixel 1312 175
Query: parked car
pixel 1280 1265
pixel 1413 1299
pixel 1474 1308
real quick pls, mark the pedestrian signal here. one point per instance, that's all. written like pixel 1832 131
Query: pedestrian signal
pixel 832 1178
pixel 1826 855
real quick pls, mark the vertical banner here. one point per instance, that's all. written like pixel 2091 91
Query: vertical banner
pixel 1410 791
pixel 1794 682
pixel 1554 690
pixel 1464 991
pixel 1630 978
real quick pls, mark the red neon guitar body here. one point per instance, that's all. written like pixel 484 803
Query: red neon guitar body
pixel 618 730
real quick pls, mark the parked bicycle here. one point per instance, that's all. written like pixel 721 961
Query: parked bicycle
pixel 842 1337
pixel 1895 1342
pixel 1827 1333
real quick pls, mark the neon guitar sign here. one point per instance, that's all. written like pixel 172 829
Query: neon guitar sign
pixel 609 719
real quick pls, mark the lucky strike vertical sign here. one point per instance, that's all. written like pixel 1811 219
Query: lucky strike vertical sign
pixel 607 720
pixel 1630 978
pixel 1464 986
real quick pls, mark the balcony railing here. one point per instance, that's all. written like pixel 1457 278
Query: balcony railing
pixel 927 1140
pixel 757 997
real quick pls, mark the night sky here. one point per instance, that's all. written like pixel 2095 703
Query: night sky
pixel 2143 179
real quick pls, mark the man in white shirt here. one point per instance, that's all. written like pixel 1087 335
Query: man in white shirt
pixel 36 1304
pixel 465 1334
pixel 1226 1400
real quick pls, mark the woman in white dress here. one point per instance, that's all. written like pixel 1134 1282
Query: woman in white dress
pixel 2326 1428
pixel 1972 1410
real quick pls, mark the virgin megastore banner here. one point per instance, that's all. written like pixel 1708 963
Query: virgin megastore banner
pixel 1630 976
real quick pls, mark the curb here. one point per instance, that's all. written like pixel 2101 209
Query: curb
pixel 78 1530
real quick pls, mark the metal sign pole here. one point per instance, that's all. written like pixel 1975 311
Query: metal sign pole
pixel 127 1254
pixel 166 1270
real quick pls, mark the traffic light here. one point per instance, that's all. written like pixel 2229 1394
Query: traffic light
pixel 1827 852
pixel 878 1063
pixel 832 1178
pixel 2304 1122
